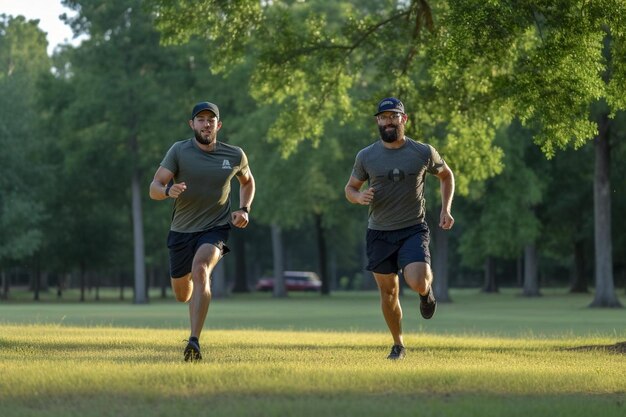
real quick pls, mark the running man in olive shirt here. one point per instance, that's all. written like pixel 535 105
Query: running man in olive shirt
pixel 397 237
pixel 196 173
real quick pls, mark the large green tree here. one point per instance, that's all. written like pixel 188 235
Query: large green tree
pixel 23 61
pixel 129 97
pixel 560 67
pixel 501 219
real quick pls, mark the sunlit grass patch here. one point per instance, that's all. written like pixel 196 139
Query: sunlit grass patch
pixel 48 366
pixel 497 355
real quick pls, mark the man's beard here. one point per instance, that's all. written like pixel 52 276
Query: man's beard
pixel 391 136
pixel 205 141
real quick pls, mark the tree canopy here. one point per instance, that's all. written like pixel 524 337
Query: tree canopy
pixel 23 61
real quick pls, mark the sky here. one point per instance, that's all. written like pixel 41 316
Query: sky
pixel 47 11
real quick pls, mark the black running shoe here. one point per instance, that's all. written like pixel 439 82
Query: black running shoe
pixel 192 351
pixel 397 352
pixel 428 304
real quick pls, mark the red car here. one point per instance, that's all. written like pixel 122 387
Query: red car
pixel 294 281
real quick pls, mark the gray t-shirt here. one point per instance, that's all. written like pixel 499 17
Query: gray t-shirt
pixel 397 176
pixel 206 201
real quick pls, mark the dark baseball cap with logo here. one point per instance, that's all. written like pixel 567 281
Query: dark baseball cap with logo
pixel 205 105
pixel 390 104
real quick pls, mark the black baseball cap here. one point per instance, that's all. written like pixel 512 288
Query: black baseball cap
pixel 205 105
pixel 390 104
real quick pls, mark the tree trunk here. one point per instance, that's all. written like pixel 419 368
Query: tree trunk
pixel 44 284
pixel 121 278
pixel 60 284
pixel 139 250
pixel 579 280
pixel 440 265
pixel 321 255
pixel 97 281
pixel 490 275
pixel 5 285
pixel 83 280
pixel 279 269
pixel 604 289
pixel 165 282
pixel 149 281
pixel 334 279
pixel 531 277
pixel 37 280
pixel 519 271
pixel 241 275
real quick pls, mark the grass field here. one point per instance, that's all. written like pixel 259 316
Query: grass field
pixel 482 355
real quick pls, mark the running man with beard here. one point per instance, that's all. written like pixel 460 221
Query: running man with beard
pixel 395 168
pixel 196 173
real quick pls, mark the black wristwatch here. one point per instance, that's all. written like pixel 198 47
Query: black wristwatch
pixel 167 190
pixel 244 208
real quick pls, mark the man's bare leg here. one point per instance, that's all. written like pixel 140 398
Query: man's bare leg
pixel 195 288
pixel 204 261
pixel 389 287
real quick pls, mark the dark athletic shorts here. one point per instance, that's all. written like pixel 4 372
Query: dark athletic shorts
pixel 183 247
pixel 389 251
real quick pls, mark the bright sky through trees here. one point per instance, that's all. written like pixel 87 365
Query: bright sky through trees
pixel 48 12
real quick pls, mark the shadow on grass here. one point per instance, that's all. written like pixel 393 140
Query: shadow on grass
pixel 265 404
pixel 619 347
pixel 148 351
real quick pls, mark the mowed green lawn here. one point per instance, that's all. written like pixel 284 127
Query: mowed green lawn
pixel 482 355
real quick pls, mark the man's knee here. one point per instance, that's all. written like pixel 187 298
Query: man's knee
pixel 182 297
pixel 418 276
pixel 388 286
pixel 201 275
pixel 204 261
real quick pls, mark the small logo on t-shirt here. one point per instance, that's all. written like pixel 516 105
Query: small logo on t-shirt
pixel 226 164
pixel 396 175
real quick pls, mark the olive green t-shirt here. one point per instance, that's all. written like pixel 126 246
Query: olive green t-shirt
pixel 206 201
pixel 397 176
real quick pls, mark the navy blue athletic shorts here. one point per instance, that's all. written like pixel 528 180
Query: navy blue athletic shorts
pixel 183 247
pixel 389 251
